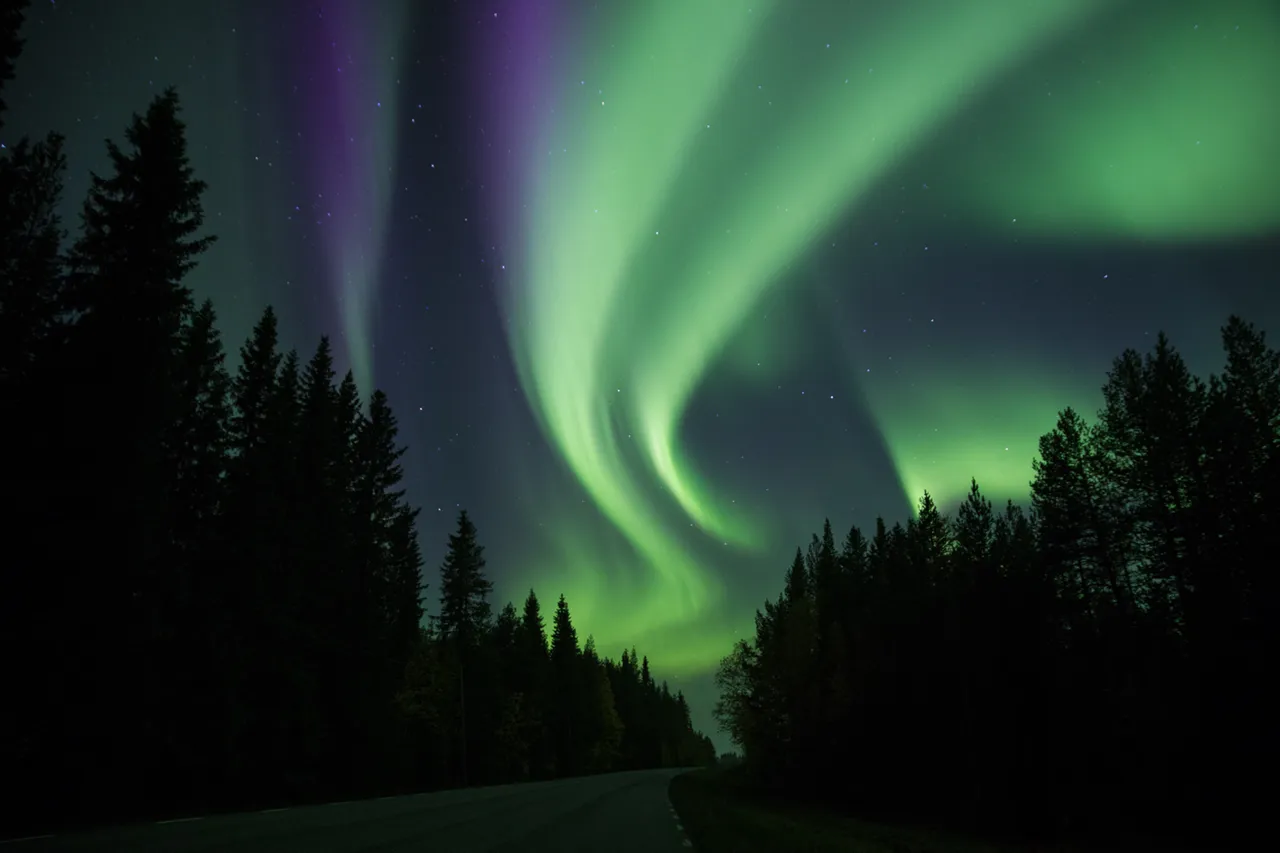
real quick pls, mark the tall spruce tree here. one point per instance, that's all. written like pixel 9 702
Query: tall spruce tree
pixel 566 673
pixel 196 446
pixel 252 389
pixel 465 613
pixel 129 306
pixel 386 558
pixel 198 434
pixel 31 274
pixel 535 686
pixel 252 521
pixel 33 599
pixel 464 623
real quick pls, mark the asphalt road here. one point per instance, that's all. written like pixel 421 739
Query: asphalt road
pixel 615 813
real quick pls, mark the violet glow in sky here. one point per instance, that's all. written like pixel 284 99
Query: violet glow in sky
pixel 512 68
pixel 346 58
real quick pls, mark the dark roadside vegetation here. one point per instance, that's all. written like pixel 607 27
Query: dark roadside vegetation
pixel 1091 671
pixel 728 811
pixel 212 590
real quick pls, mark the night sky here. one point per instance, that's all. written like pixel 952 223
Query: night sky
pixel 656 286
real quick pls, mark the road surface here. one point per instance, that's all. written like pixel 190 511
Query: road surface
pixel 614 813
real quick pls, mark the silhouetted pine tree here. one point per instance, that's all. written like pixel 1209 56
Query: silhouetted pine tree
pixel 465 612
pixel 511 740
pixel 245 640
pixel 464 623
pixel 282 668
pixel 196 447
pixel 31 274
pixel 198 435
pixel 604 727
pixel 381 581
pixel 566 675
pixel 535 687
pixel 33 600
pixel 128 310
pixel 626 694
pixel 386 545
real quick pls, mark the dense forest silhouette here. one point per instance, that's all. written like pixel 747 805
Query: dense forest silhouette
pixel 213 595
pixel 1099 660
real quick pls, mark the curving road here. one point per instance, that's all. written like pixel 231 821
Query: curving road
pixel 615 813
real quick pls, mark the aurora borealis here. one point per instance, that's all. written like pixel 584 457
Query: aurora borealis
pixel 667 194
pixel 656 286
pixel 351 152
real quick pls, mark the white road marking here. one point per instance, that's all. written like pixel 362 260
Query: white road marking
pixel 178 820
pixel 269 811
pixel 679 826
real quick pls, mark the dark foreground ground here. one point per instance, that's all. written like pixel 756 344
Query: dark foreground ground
pixel 614 813
pixel 722 815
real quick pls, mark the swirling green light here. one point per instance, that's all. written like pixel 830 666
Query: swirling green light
pixel 598 190
pixel 693 158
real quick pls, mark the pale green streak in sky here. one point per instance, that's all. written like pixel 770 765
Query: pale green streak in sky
pixel 607 170
pixel 356 249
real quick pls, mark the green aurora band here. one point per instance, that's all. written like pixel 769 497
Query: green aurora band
pixel 706 145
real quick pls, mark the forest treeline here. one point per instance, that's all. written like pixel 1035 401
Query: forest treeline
pixel 1100 659
pixel 213 594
